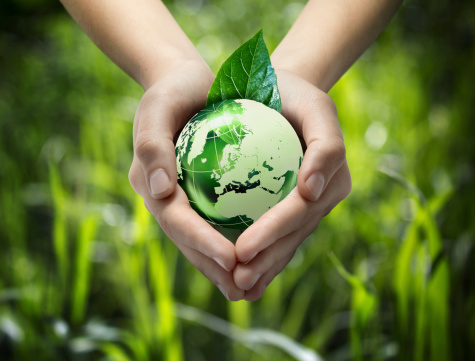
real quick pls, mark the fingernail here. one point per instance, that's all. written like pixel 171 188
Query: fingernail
pixel 250 259
pixel 256 278
pixel 159 182
pixel 218 261
pixel 223 291
pixel 315 184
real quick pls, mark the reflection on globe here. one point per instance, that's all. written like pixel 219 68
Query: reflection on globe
pixel 235 160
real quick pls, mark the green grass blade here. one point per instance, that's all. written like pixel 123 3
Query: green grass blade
pixel 60 237
pixel 298 309
pixel 403 276
pixel 364 306
pixel 438 292
pixel 114 353
pixel 164 303
pixel 82 264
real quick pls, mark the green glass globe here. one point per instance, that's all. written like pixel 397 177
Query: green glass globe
pixel 235 160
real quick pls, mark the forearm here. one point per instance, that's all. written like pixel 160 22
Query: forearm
pixel 140 36
pixel 330 35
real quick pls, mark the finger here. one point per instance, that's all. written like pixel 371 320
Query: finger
pixel 185 227
pixel 221 278
pixel 289 214
pixel 281 253
pixel 336 191
pixel 322 159
pixel 277 222
pixel 325 152
pixel 255 276
pixel 247 275
pixel 259 288
pixel 191 234
pixel 137 179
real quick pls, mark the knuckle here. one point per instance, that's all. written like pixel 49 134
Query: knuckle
pixel 145 147
pixel 332 150
pixel 224 252
pixel 337 149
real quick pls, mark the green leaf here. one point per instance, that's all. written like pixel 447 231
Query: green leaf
pixel 247 74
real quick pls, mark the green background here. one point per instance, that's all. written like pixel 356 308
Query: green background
pixel 86 274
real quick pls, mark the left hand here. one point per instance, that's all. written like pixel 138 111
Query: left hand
pixel 266 247
pixel 164 109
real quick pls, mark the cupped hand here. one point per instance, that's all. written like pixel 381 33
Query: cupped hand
pixel 266 247
pixel 163 111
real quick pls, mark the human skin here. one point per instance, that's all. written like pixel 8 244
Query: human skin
pixel 325 40
pixel 142 38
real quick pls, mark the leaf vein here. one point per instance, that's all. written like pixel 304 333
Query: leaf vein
pixel 252 63
pixel 232 79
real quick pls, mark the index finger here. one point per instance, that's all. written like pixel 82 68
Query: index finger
pixel 184 226
pixel 282 219
pixel 292 214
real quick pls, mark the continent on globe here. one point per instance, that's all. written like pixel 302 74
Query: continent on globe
pixel 235 160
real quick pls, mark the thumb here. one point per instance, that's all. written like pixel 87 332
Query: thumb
pixel 322 159
pixel 325 149
pixel 164 109
pixel 156 154
pixel 154 148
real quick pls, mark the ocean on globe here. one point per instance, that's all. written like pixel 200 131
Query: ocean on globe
pixel 235 160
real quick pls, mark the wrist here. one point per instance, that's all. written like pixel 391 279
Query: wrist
pixel 319 73
pixel 152 69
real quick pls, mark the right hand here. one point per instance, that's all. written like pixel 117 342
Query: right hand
pixel 267 246
pixel 163 111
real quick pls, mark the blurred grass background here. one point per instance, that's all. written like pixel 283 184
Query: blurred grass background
pixel 86 274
